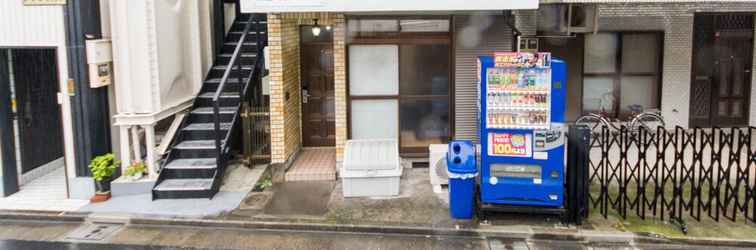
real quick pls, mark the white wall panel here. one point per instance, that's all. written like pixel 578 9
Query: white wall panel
pixel 162 51
pixel 41 26
pixel 178 50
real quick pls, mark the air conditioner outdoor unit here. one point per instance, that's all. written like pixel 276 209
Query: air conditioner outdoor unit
pixel 565 19
pixel 437 166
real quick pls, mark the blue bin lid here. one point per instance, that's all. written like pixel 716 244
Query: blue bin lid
pixel 461 157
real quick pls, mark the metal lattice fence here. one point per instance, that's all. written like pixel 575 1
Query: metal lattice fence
pixel 672 174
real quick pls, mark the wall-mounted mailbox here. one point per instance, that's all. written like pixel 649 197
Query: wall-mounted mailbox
pixel 100 60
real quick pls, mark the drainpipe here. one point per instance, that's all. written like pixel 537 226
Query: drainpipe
pixel 89 106
pixel 219 25
pixel 510 21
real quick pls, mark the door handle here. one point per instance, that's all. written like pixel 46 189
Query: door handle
pixel 305 95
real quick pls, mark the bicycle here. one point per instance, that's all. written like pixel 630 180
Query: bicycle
pixel 648 120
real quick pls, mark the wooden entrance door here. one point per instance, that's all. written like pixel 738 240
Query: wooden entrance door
pixel 35 75
pixel 318 110
pixel 721 87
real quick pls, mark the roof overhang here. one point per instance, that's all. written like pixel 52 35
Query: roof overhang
pixel 277 6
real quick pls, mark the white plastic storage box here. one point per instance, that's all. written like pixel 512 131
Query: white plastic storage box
pixel 371 168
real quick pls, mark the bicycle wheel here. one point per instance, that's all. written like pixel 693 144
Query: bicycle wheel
pixel 592 121
pixel 648 121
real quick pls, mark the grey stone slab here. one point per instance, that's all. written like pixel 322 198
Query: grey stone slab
pixel 122 186
pixel 143 204
pixel 184 184
pixel 81 188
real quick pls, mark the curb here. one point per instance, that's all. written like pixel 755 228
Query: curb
pixel 47 217
pixel 572 235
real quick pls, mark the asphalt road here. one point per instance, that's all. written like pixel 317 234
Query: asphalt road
pixel 32 235
pixel 48 245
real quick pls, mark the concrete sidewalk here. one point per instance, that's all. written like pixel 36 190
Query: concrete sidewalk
pixel 319 206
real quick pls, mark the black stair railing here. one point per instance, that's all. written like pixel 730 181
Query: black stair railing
pixel 235 65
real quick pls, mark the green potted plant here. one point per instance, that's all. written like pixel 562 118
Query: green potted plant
pixel 136 171
pixel 102 168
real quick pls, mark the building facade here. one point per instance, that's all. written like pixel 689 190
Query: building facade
pixel 411 76
pixel 52 121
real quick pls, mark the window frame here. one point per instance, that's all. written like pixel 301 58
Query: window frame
pixel 618 74
pixel 399 39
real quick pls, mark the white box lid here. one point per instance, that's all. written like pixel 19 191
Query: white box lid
pixel 371 154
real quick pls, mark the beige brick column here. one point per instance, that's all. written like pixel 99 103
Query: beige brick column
pixel 276 89
pixel 285 113
pixel 340 81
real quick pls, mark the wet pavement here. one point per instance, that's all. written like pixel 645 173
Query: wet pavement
pixel 34 235
pixel 323 202
pixel 47 245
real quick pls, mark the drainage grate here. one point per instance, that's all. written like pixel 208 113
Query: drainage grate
pixel 93 232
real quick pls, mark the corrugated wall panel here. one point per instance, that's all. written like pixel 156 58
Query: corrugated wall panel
pixel 474 36
pixel 31 25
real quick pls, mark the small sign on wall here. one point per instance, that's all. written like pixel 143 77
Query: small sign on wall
pixel 44 2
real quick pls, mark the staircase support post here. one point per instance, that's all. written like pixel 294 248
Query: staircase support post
pixel 149 131
pixel 125 151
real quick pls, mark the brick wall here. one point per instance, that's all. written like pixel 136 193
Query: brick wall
pixel 676 21
pixel 285 114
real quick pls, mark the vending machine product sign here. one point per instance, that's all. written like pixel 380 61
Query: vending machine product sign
pixel 521 105
pixel 509 144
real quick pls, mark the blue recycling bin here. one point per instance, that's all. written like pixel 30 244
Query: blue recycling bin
pixel 460 163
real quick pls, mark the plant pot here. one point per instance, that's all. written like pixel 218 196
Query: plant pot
pixel 103 186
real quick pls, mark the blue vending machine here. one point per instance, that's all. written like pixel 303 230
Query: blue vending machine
pixel 521 112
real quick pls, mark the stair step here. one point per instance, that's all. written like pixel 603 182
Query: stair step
pixel 196 145
pixel 209 110
pixel 261 21
pixel 250 32
pixel 207 126
pixel 223 67
pixel 230 80
pixel 205 114
pixel 192 164
pixel 223 95
pixel 184 184
pixel 247 54
pixel 245 43
pixel 227 99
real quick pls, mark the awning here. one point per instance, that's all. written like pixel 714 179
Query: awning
pixel 276 6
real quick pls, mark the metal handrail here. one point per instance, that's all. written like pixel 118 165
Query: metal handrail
pixel 233 63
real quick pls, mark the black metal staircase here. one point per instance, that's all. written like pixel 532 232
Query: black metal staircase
pixel 195 164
